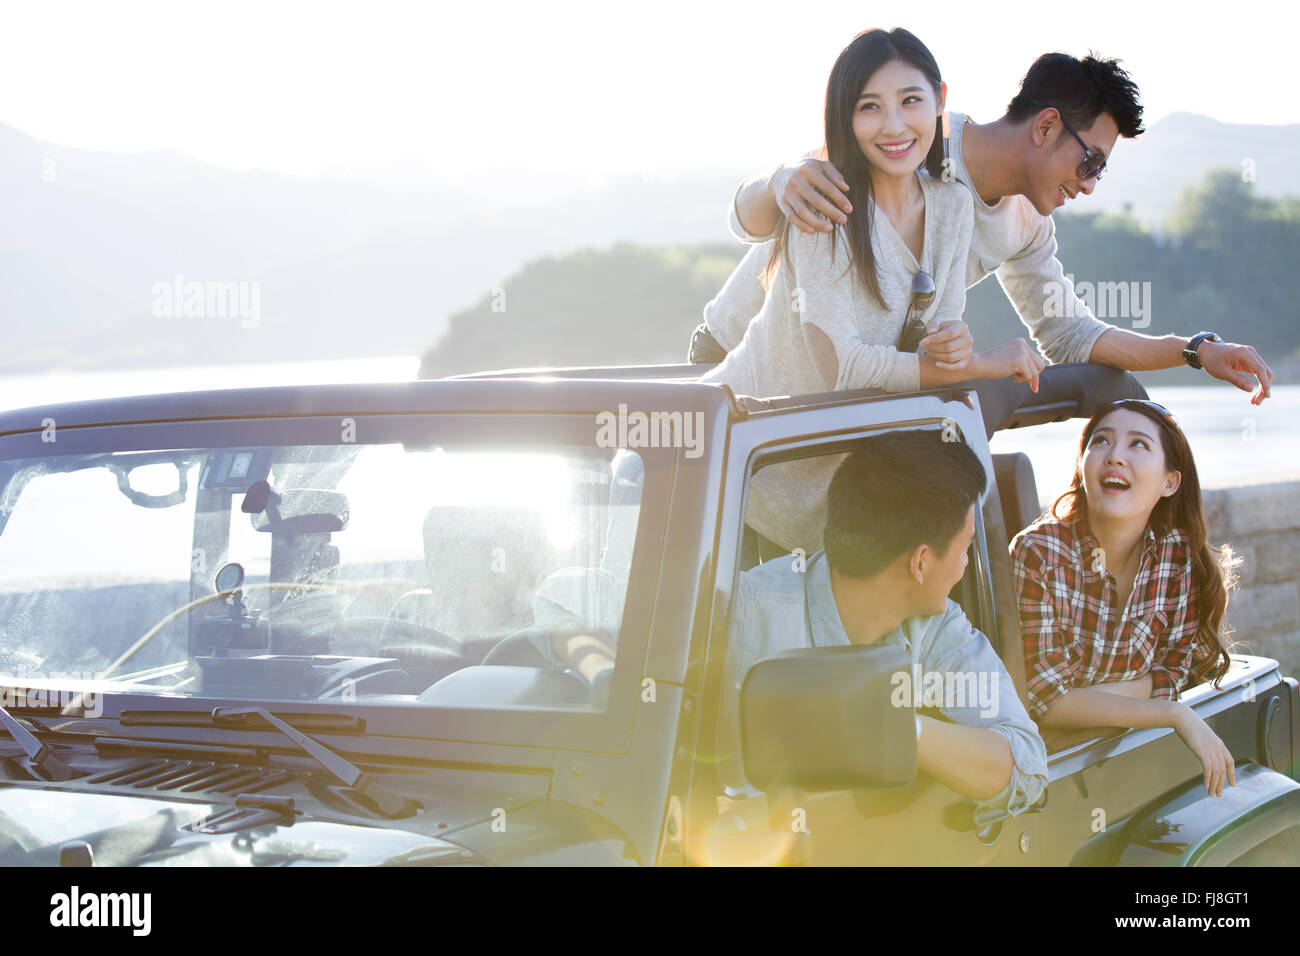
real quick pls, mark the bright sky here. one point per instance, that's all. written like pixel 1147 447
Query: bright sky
pixel 553 87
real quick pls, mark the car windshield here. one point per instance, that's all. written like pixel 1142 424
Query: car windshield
pixel 435 575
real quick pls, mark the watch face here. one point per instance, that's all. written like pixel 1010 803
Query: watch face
pixel 230 577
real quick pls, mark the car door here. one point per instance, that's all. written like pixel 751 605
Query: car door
pixel 922 823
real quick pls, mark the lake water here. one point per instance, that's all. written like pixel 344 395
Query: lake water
pixel 1234 441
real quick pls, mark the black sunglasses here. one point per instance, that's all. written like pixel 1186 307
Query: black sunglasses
pixel 1093 164
pixel 909 340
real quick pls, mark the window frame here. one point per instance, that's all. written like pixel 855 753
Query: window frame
pixel 766 437
pixel 607 731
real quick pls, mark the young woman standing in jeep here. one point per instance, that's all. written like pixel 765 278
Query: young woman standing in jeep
pixel 878 302
pixel 1121 598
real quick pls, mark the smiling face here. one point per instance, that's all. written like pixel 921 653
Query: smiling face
pixel 1054 165
pixel 894 119
pixel 1124 468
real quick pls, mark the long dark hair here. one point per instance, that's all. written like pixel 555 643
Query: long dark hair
pixel 1214 570
pixel 855 65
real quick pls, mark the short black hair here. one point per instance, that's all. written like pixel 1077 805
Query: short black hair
pixel 899 490
pixel 1081 90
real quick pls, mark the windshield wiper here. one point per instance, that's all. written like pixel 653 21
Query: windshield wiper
pixel 39 754
pixel 390 804
pixel 337 723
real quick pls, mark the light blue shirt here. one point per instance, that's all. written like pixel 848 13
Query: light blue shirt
pixel 955 670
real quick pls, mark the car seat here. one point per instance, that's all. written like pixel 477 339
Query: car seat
pixel 1017 490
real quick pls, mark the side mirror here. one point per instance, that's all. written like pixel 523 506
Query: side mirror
pixel 824 719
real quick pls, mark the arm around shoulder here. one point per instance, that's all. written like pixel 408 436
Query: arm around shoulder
pixel 754 214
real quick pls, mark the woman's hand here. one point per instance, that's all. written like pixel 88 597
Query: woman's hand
pixel 809 187
pixel 949 343
pixel 1216 760
pixel 1016 359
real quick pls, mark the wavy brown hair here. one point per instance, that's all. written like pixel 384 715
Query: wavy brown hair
pixel 855 65
pixel 1214 570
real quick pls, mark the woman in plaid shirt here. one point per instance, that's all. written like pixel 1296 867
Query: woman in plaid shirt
pixel 1121 599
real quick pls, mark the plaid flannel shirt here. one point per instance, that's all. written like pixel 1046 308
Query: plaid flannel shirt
pixel 1074 633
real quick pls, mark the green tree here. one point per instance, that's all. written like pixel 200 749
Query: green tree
pixel 1226 261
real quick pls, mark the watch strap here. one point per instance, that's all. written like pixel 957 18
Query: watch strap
pixel 1189 353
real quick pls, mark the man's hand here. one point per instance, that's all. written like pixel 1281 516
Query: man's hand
pixel 1016 359
pixel 584 653
pixel 809 187
pixel 949 343
pixel 1236 364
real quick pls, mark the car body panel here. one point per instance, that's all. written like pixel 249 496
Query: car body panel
pixel 636 785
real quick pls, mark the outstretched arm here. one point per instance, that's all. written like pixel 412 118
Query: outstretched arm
pixel 1095 707
pixel 1066 330
pixel 1239 365
pixel 1100 706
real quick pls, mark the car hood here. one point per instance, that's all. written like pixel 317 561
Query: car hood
pixel 139 831
pixel 133 831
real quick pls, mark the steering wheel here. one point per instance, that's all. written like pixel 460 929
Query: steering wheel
pixel 520 650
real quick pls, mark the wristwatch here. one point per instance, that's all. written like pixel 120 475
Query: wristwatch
pixel 1189 353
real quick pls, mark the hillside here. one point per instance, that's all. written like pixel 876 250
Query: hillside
pixel 1224 261
pixel 625 305
pixel 370 265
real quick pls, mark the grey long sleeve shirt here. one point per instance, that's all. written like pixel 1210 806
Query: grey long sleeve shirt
pixel 1009 239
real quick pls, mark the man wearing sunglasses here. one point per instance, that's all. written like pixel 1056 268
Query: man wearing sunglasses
pixel 1051 146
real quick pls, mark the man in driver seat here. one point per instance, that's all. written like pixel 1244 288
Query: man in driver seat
pixel 900 521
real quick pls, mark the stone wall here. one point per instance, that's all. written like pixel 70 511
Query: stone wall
pixel 1262 523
